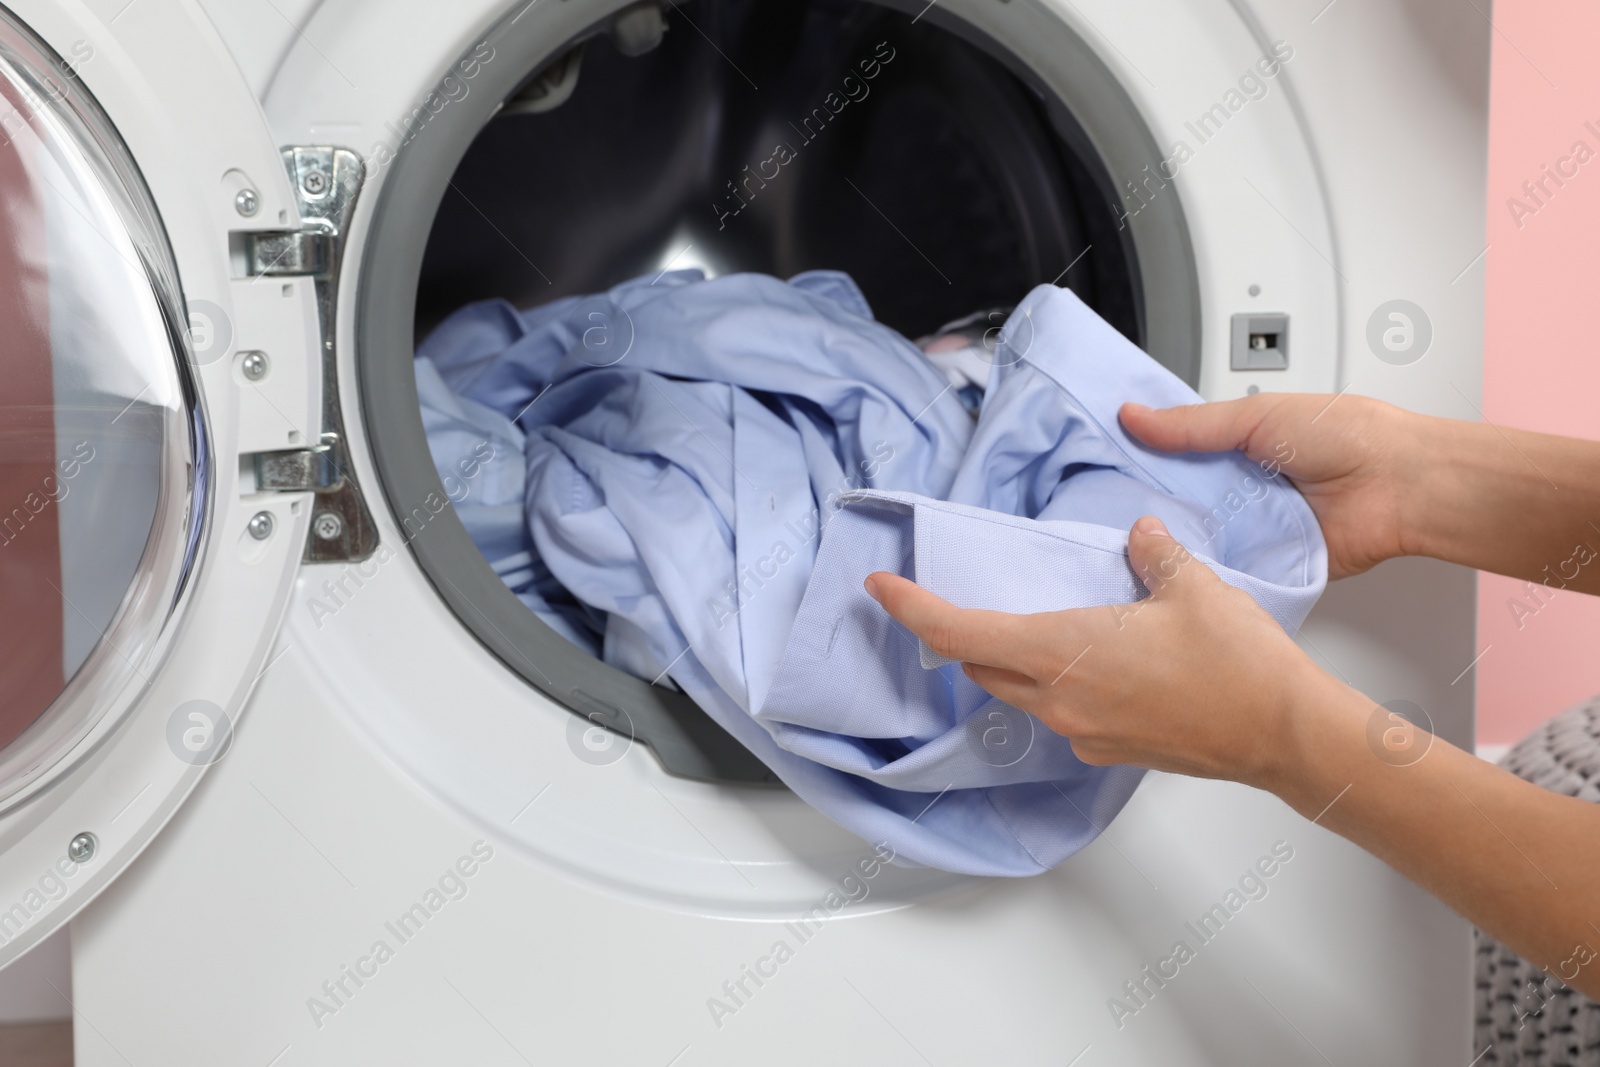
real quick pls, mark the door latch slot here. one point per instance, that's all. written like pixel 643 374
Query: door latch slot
pixel 1259 342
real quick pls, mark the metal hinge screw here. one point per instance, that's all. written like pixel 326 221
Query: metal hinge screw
pixel 247 203
pixel 314 182
pixel 327 525
pixel 261 525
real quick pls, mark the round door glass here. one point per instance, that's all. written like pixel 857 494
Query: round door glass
pixel 96 439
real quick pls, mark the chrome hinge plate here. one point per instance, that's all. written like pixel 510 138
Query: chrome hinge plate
pixel 326 182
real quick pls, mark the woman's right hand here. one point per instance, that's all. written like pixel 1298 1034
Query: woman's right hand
pixel 1356 460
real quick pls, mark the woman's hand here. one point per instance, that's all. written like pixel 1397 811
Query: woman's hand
pixel 1196 678
pixel 1355 459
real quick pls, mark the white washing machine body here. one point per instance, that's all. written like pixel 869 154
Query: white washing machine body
pixel 405 856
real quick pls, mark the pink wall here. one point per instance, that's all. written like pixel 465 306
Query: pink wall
pixel 1541 353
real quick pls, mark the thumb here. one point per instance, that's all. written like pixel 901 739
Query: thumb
pixel 1164 566
pixel 1215 427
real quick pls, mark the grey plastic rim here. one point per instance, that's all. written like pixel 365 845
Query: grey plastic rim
pixel 1091 111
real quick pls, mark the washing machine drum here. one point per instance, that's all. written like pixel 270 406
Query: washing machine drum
pixel 825 121
pixel 912 150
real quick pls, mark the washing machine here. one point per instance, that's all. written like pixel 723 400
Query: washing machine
pixel 307 782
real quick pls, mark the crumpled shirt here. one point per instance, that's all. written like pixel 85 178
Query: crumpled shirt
pixel 690 478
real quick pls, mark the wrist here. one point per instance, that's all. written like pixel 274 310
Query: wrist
pixel 1320 719
pixel 1449 461
pixel 1419 471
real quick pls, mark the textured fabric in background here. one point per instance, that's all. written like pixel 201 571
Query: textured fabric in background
pixel 1525 1016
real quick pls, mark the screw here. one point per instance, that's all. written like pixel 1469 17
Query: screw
pixel 261 525
pixel 314 182
pixel 246 203
pixel 81 848
pixel 328 525
pixel 1255 290
pixel 253 366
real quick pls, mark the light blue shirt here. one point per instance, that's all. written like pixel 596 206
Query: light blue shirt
pixel 691 478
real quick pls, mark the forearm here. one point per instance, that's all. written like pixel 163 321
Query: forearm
pixel 1518 861
pixel 1509 501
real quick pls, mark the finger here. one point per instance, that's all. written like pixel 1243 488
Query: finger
pixel 1165 567
pixel 1217 427
pixel 989 637
pixel 1014 687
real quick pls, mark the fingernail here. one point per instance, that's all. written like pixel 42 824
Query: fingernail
pixel 1131 406
pixel 871 587
pixel 1151 525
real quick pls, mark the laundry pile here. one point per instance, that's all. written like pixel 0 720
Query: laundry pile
pixel 690 478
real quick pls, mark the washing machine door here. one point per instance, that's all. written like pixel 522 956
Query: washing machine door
pixel 148 372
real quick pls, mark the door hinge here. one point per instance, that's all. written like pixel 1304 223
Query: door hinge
pixel 280 252
pixel 326 181
pixel 305 470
